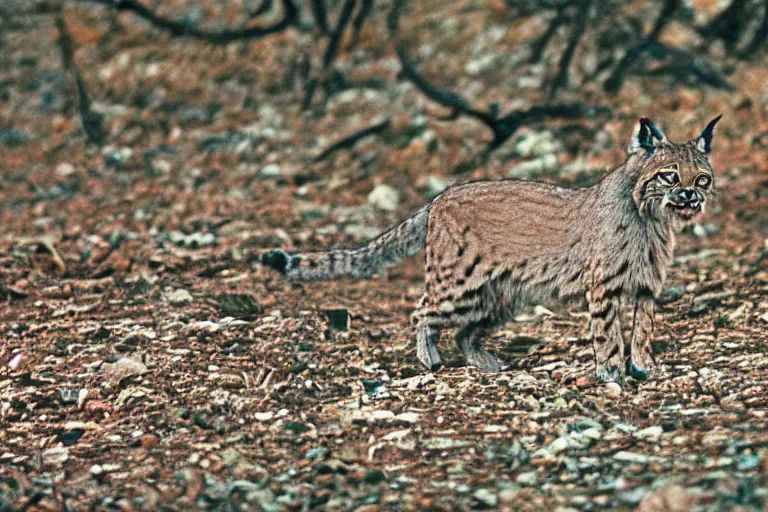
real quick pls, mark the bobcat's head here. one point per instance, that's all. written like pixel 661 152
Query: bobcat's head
pixel 674 180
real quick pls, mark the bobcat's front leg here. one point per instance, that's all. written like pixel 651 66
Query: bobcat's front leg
pixel 641 364
pixel 607 337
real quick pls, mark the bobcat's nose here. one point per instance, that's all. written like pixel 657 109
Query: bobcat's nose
pixel 686 195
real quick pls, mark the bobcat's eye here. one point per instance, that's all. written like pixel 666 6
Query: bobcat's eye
pixel 703 181
pixel 668 178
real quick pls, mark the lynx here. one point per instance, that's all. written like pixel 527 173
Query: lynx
pixel 493 245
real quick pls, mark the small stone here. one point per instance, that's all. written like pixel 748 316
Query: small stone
pixel 444 443
pixel 485 498
pixel 179 296
pixel 612 389
pixel 408 417
pixel 592 433
pixel 650 432
pixel 270 171
pixel 149 441
pixel 667 499
pixel 123 367
pixel 535 167
pixel 56 455
pixel 537 144
pixel 624 456
pixel 264 416
pixel 558 445
pixel 508 495
pixel 528 478
pixel 65 169
pixel 748 462
pixel 384 197
pixel 436 186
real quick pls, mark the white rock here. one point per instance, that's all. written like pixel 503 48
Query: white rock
pixel 612 389
pixel 55 455
pixel 534 167
pixel 558 445
pixel 624 456
pixel 650 432
pixel 408 417
pixel 384 198
pixel 179 296
pixel 264 416
pixel 65 169
pixel 270 171
pixel 528 478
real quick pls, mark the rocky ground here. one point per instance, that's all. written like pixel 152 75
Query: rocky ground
pixel 148 362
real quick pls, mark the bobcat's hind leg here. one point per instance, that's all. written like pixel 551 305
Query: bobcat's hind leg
pixel 470 340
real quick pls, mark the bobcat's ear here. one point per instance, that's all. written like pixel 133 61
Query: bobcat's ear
pixel 645 137
pixel 704 141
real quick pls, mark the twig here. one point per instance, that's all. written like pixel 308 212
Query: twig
pixel 577 33
pixel 320 14
pixel 761 35
pixel 540 44
pixel 183 29
pixel 351 140
pixel 264 7
pixel 616 80
pixel 366 6
pixel 333 44
pixel 393 17
pixel 502 127
pixel 92 121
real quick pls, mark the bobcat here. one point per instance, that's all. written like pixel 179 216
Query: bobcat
pixel 491 245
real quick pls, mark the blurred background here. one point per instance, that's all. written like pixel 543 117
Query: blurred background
pixel 125 124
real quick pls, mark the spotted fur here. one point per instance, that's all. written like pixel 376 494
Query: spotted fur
pixel 492 246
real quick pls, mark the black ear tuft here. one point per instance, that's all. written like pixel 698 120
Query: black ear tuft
pixel 277 259
pixel 649 132
pixel 644 137
pixel 704 142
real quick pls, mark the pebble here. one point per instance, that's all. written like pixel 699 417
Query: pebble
pixel 270 171
pixel 486 498
pixel 624 456
pixel 528 478
pixel 558 445
pixel 612 389
pixel 444 443
pixel 180 296
pixel 650 432
pixel 384 197
pixel 122 368
pixel 408 417
pixel 55 455
pixel 149 441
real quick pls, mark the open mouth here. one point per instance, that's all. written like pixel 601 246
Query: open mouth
pixel 685 210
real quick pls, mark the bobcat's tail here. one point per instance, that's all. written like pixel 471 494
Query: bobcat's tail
pixel 386 250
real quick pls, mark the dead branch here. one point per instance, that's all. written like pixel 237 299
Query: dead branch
pixel 761 35
pixel 635 52
pixel 540 45
pixel 366 6
pixel 341 25
pixel 350 140
pixel 502 127
pixel 577 33
pixel 92 121
pixel 183 29
pixel 320 14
